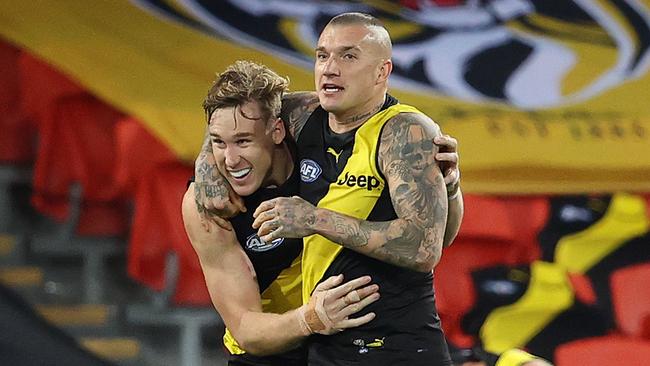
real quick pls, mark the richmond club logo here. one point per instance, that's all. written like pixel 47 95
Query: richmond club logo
pixel 530 54
pixel 255 244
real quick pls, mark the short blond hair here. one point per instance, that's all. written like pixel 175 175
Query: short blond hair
pixel 243 82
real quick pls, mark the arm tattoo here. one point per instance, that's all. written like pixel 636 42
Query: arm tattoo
pixel 417 190
pixel 209 182
pixel 204 165
pixel 296 109
pixel 356 236
pixel 406 155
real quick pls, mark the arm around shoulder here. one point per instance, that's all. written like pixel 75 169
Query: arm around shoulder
pixel 296 109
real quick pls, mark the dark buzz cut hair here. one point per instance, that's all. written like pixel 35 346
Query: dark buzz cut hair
pixel 243 82
pixel 356 18
pixel 367 20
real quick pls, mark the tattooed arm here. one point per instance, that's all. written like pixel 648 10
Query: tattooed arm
pixel 213 195
pixel 296 109
pixel 414 240
pixel 417 190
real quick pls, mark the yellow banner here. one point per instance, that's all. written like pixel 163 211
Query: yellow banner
pixel 544 97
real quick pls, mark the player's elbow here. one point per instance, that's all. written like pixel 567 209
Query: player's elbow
pixel 256 347
pixel 424 266
pixel 429 260
pixel 259 343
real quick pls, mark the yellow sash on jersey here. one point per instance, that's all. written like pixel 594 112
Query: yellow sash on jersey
pixel 357 201
pixel 281 296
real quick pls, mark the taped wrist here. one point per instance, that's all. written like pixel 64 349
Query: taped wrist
pixel 313 317
pixel 305 329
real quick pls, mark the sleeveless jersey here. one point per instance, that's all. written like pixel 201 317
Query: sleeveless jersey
pixel 340 172
pixel 277 266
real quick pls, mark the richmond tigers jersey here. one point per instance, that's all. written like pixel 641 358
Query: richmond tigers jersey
pixel 340 172
pixel 277 266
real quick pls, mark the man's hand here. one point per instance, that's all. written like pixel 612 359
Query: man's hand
pixel 215 199
pixel 447 157
pixel 331 305
pixel 284 217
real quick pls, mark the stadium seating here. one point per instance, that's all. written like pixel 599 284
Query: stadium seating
pixel 76 146
pixel 158 230
pixel 604 351
pixel 631 300
pixel 161 257
pixel 487 238
pixel 18 135
pixel 137 153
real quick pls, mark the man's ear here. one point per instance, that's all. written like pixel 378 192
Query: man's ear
pixel 278 131
pixel 385 70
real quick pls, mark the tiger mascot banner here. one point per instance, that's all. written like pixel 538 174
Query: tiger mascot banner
pixel 543 96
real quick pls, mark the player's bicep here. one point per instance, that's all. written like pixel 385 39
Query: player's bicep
pixel 233 288
pixel 415 182
pixel 228 272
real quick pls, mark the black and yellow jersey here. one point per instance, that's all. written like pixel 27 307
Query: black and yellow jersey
pixel 340 172
pixel 277 266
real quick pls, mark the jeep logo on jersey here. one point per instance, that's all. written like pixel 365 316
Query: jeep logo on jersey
pixel 364 181
pixel 254 243
pixel 309 170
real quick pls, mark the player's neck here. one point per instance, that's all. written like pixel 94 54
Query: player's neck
pixel 281 166
pixel 345 121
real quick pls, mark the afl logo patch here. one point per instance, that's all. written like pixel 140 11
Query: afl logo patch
pixel 255 244
pixel 309 170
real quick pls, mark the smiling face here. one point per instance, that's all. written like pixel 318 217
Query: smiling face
pixel 351 69
pixel 244 144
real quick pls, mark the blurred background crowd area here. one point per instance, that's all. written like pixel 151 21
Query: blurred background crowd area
pixel 96 148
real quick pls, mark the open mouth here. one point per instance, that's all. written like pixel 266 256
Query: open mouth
pixel 332 88
pixel 240 174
